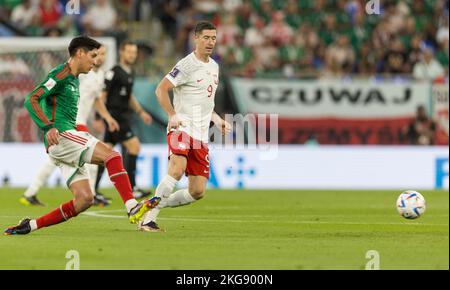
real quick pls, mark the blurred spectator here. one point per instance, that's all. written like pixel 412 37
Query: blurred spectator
pixel 293 17
pixel 415 50
pixel 7 6
pixel 254 36
pixel 443 33
pixel 100 18
pixel 278 31
pixel 265 10
pixel 238 56
pixel 267 54
pixel 25 15
pixel 368 60
pixel 50 13
pixel 340 57
pixel 428 68
pixel 421 130
pixel 231 6
pixel 395 60
pixel 307 37
pixel 328 33
pixel 227 31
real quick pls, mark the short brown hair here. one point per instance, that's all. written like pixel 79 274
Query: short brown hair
pixel 125 43
pixel 203 25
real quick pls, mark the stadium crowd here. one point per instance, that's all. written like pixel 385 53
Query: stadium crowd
pixel 281 38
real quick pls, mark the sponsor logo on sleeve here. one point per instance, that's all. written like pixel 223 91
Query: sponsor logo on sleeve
pixel 50 84
pixel 174 72
pixel 109 75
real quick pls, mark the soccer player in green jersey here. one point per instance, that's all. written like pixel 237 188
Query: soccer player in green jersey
pixel 53 106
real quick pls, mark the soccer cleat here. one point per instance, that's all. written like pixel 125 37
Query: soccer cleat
pixel 150 227
pixel 102 196
pixel 136 214
pixel 101 201
pixel 22 228
pixel 27 201
pixel 139 193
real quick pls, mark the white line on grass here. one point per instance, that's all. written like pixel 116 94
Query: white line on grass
pixel 101 214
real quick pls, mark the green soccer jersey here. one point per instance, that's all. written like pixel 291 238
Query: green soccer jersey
pixel 54 102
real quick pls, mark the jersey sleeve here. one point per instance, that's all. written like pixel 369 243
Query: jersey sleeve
pixel 33 101
pixel 179 74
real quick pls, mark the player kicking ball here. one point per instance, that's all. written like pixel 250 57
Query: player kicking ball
pixel 53 106
pixel 194 82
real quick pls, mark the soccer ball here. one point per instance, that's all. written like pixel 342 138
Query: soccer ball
pixel 411 204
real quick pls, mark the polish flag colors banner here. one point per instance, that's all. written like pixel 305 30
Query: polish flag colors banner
pixel 337 112
pixel 440 105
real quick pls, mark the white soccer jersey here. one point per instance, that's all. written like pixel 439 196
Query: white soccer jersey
pixel 91 85
pixel 195 84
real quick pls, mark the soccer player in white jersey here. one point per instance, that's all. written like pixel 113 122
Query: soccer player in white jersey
pixel 194 81
pixel 91 85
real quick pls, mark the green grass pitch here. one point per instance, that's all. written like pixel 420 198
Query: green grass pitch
pixel 237 229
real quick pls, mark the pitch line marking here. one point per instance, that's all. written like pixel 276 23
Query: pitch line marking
pixel 101 214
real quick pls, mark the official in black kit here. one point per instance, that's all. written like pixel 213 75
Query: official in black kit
pixel 120 104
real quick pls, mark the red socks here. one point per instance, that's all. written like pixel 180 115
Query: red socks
pixel 119 176
pixel 61 214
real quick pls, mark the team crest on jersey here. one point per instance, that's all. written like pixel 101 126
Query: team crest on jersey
pixel 174 72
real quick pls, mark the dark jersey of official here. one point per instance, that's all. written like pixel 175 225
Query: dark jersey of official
pixel 119 85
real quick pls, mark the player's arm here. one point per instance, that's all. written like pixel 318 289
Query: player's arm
pixel 134 104
pixel 223 125
pixel 32 104
pixel 100 107
pixel 162 94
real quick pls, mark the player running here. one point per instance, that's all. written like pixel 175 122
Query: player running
pixel 53 106
pixel 120 102
pixel 91 85
pixel 194 81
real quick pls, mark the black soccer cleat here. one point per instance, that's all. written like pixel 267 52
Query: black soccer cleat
pixel 101 201
pixel 101 195
pixel 150 227
pixel 27 201
pixel 139 193
pixel 22 228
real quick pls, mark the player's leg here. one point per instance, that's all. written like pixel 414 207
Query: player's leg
pixel 196 165
pixel 78 182
pixel 177 167
pixel 195 191
pixel 101 169
pixel 133 147
pixel 104 155
pixel 99 199
pixel 43 174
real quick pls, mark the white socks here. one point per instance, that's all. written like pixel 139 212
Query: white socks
pixel 164 190
pixel 130 204
pixel 165 187
pixel 179 198
pixel 41 177
pixel 33 225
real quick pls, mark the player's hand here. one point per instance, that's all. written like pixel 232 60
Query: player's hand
pixel 174 122
pixel 146 117
pixel 224 126
pixel 52 137
pixel 112 125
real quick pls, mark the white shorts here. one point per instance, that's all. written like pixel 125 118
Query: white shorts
pixel 75 148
